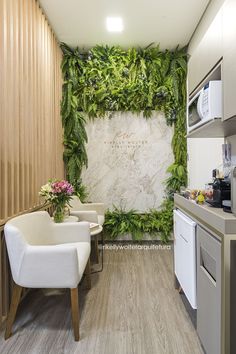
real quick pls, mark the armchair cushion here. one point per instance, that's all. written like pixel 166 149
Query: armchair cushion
pixel 99 208
pixel 90 216
pixel 49 267
pixel 45 254
pixel 70 233
pixel 83 252
pixel 59 266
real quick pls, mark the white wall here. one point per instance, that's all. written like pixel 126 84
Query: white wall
pixel 204 155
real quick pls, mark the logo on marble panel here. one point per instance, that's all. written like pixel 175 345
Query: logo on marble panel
pixel 124 140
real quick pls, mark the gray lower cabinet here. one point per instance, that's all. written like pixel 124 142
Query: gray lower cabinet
pixel 209 291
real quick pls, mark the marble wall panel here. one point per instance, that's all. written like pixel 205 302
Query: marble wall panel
pixel 127 160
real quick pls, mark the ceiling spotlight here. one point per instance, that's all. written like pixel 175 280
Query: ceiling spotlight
pixel 114 24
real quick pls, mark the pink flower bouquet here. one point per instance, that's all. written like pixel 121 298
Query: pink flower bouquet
pixel 59 194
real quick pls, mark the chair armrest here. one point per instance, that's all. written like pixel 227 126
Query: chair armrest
pixel 98 207
pixel 49 267
pixel 90 216
pixel 69 232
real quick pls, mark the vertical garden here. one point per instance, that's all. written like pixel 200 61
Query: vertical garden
pixel 109 79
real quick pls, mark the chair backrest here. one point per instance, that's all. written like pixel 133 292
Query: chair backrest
pixel 34 227
pixel 75 203
pixel 22 230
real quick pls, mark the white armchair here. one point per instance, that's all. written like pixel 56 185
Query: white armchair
pixel 93 212
pixel 43 254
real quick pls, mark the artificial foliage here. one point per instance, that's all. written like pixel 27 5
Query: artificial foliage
pixel 80 190
pixel 120 222
pixel 108 79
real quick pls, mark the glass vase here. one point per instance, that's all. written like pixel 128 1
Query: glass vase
pixel 59 214
pixel 66 211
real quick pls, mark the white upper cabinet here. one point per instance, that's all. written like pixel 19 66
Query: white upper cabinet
pixel 207 53
pixel 229 60
pixel 213 40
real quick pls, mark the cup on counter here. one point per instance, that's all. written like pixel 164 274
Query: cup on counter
pixel 208 191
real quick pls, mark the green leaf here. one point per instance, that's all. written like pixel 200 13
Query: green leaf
pixel 137 80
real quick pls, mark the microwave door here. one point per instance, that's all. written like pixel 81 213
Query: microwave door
pixel 200 105
pixel 193 115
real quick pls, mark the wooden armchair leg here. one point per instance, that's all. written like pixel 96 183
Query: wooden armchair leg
pixel 16 295
pixel 75 311
pixel 88 275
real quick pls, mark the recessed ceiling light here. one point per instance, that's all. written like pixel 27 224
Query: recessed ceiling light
pixel 114 24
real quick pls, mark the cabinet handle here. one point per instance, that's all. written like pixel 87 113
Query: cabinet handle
pixel 183 238
pixel 209 276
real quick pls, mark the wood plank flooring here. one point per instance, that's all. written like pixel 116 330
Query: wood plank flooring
pixel 132 308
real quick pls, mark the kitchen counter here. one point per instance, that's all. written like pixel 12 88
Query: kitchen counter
pixel 214 218
pixel 222 226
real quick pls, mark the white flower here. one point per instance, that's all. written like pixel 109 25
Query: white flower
pixel 45 190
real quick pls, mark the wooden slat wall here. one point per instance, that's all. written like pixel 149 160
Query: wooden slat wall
pixel 30 124
pixel 5 279
pixel 30 93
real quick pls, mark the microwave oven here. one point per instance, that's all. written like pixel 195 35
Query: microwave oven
pixel 205 105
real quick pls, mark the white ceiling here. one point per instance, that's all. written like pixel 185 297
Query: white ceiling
pixel 83 22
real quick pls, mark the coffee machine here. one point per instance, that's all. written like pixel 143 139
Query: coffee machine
pixel 221 191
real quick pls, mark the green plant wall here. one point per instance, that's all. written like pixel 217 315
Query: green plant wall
pixel 107 79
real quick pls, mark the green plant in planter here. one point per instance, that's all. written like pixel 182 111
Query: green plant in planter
pixel 119 222
pixel 164 220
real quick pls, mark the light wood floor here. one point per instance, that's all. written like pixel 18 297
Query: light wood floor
pixel 131 308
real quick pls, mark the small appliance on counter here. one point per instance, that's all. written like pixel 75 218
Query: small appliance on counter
pixel 205 106
pixel 221 191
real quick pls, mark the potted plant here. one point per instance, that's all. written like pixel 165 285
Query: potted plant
pixel 58 193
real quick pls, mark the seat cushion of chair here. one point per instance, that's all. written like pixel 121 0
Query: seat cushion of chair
pixel 101 219
pixel 83 252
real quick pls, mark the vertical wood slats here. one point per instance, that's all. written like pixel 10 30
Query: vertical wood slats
pixel 30 124
pixel 30 93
